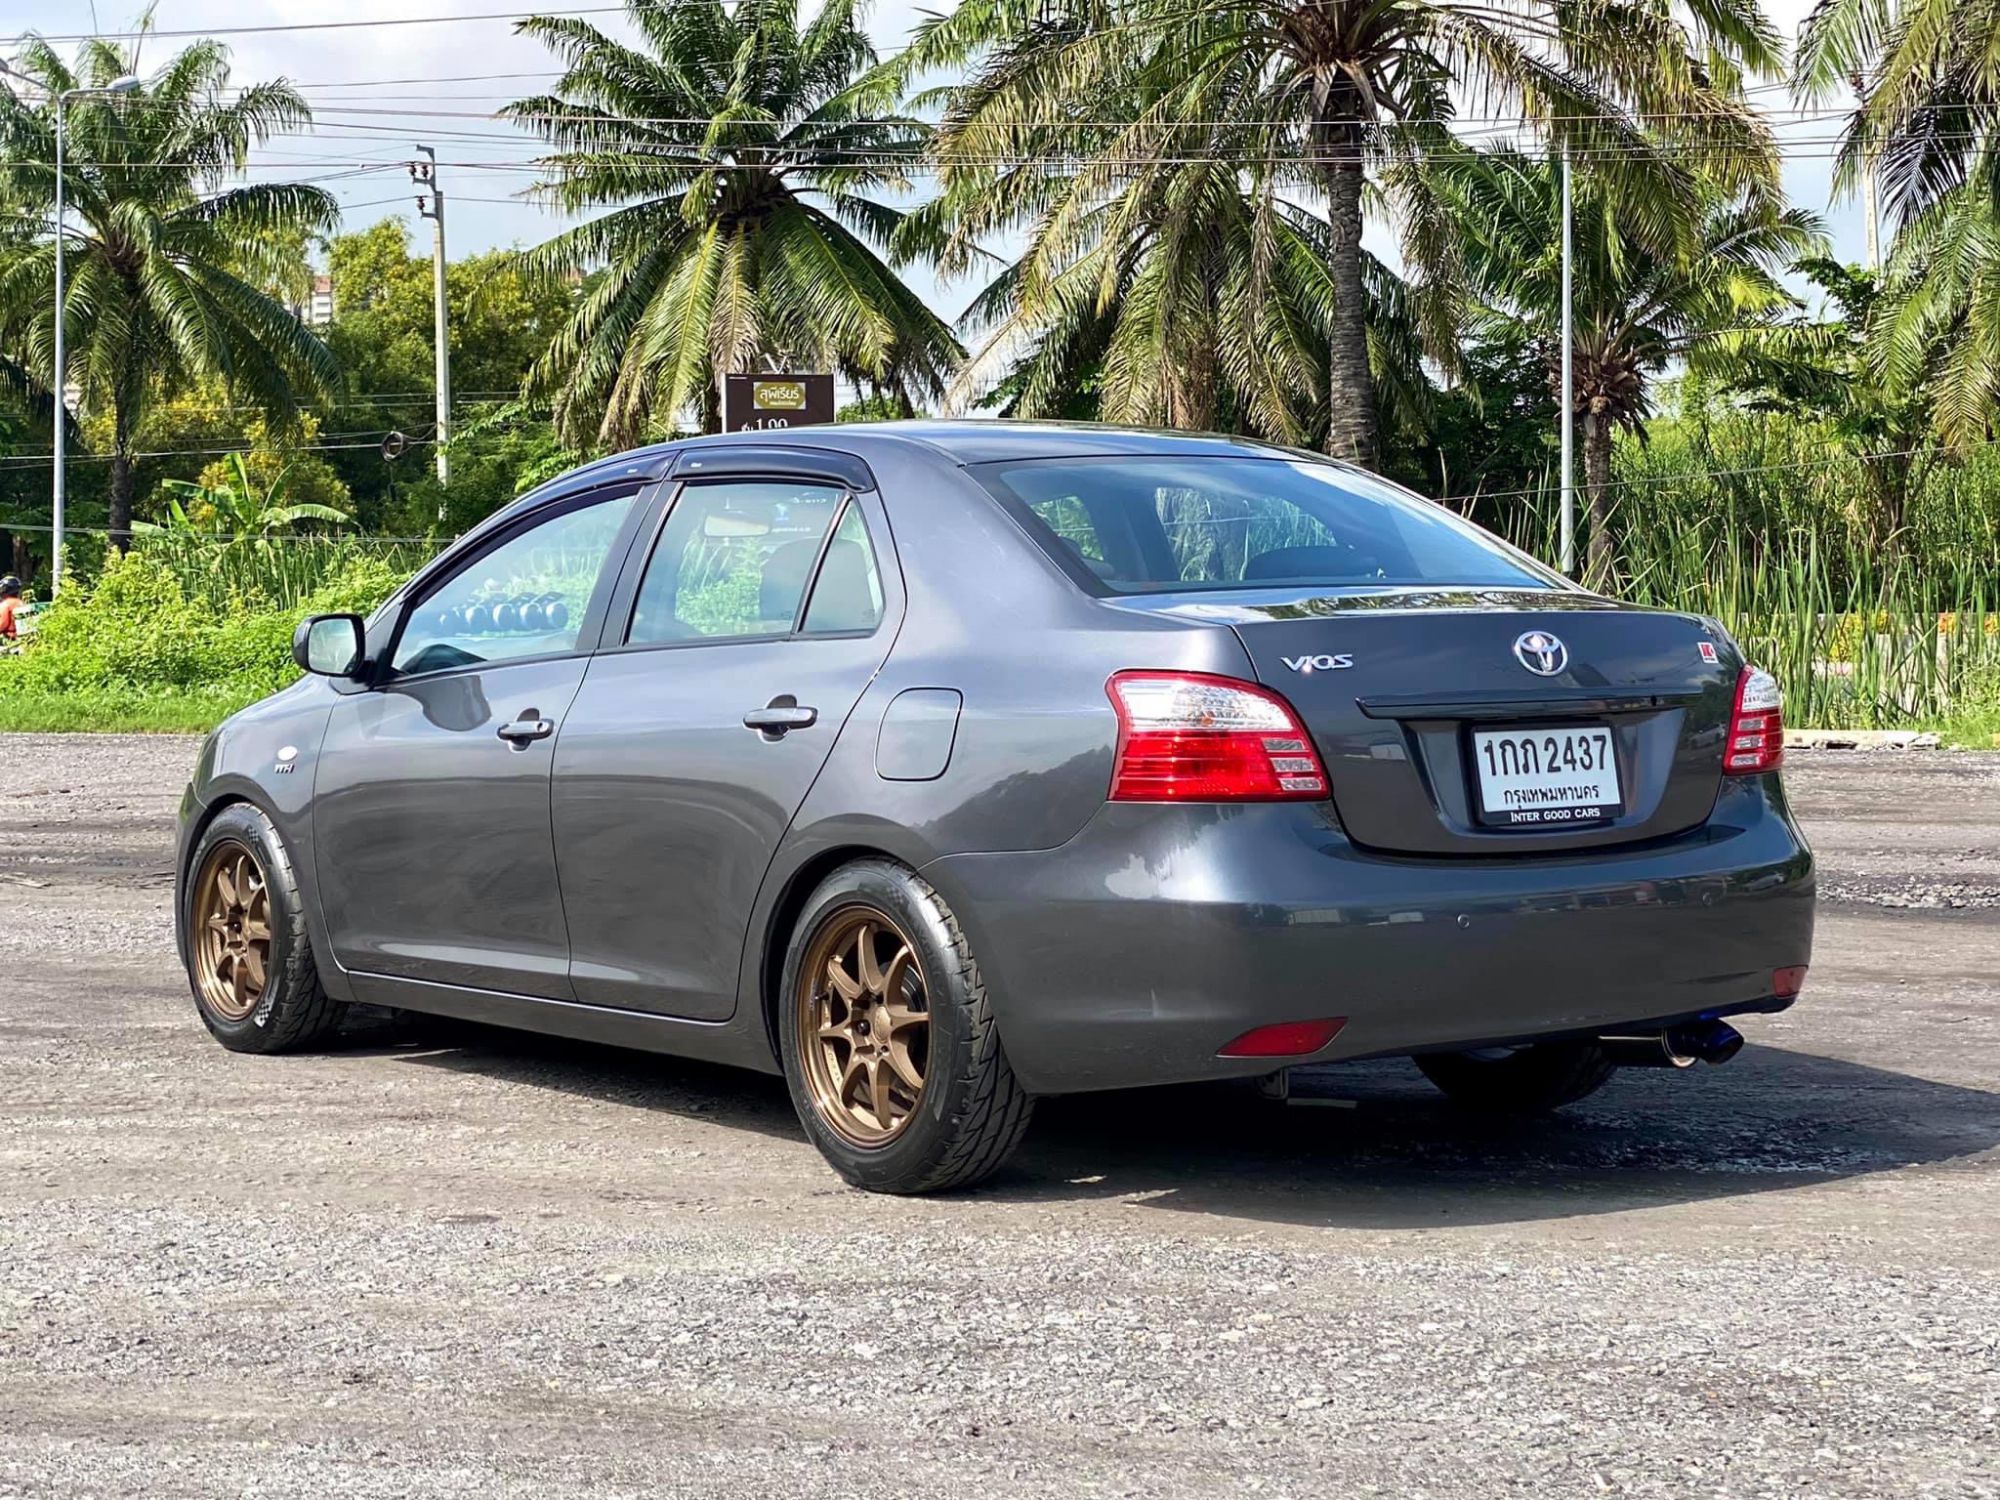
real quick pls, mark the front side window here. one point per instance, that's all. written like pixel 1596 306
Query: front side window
pixel 526 597
pixel 1150 525
pixel 734 559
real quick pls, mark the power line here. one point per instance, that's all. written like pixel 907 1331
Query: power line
pixel 105 458
pixel 224 538
pixel 925 162
pixel 369 83
pixel 208 31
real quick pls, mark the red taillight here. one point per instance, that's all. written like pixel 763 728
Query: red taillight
pixel 1191 737
pixel 1756 725
pixel 1286 1039
pixel 1786 983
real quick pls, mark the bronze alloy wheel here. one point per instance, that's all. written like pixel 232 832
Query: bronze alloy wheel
pixel 232 931
pixel 864 1026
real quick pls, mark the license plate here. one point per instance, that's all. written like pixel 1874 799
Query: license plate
pixel 1538 778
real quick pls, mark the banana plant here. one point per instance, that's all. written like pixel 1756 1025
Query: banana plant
pixel 237 508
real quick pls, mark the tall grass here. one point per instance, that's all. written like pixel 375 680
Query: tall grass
pixel 278 572
pixel 1764 526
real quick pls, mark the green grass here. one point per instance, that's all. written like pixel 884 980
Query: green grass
pixel 1976 723
pixel 107 710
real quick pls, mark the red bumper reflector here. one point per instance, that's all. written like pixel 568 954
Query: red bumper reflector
pixel 1786 983
pixel 1286 1039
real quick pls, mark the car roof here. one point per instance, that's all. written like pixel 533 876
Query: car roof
pixel 962 441
pixel 992 441
pixel 957 441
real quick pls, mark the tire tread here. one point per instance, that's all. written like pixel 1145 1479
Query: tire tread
pixel 989 1108
pixel 998 1109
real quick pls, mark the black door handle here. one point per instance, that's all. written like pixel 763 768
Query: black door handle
pixel 526 728
pixel 782 716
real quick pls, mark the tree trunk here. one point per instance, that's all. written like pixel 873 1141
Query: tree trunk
pixel 121 472
pixel 1338 139
pixel 1887 479
pixel 1601 560
pixel 711 404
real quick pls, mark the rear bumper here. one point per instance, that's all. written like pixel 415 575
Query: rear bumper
pixel 1132 953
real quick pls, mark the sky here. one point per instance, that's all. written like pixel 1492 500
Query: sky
pixel 376 90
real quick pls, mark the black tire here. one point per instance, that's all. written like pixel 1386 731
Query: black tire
pixel 972 1111
pixel 1524 1081
pixel 294 1011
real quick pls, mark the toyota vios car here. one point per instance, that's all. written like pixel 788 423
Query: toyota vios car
pixel 943 765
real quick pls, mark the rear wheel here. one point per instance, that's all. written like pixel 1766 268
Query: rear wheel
pixel 888 1040
pixel 249 961
pixel 1519 1080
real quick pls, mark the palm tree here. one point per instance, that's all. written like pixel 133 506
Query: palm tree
pixel 1928 72
pixel 1184 292
pixel 1821 368
pixel 1331 88
pixel 1641 300
pixel 165 264
pixel 742 225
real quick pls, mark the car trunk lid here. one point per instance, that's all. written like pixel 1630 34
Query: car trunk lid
pixel 1439 736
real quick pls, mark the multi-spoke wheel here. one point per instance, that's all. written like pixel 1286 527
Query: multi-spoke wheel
pixel 888 1038
pixel 867 1026
pixel 232 931
pixel 244 938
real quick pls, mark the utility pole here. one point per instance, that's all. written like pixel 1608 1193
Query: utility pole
pixel 1872 214
pixel 1871 210
pixel 1568 385
pixel 58 479
pixel 424 174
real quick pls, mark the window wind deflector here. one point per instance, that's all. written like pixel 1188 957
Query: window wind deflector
pixel 772 460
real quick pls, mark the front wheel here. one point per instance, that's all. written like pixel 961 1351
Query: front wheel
pixel 888 1041
pixel 250 963
pixel 1519 1080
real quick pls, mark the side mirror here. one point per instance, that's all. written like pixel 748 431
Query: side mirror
pixel 330 645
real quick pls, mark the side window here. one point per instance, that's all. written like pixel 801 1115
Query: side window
pixel 526 597
pixel 847 595
pixel 734 559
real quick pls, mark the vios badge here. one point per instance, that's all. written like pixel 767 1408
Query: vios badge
pixel 1541 653
pixel 1319 663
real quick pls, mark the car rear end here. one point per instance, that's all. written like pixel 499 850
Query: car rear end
pixel 1447 802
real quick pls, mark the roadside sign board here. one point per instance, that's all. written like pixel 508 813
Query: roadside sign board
pixel 760 403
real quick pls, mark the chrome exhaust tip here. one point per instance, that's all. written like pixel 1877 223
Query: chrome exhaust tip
pixel 1655 1050
pixel 1713 1042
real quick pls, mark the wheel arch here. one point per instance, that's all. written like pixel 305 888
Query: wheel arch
pixel 784 914
pixel 239 791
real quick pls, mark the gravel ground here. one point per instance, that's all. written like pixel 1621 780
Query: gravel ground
pixel 496 1266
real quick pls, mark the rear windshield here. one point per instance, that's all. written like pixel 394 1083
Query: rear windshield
pixel 1150 525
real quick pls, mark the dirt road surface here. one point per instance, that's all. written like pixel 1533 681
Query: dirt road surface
pixel 501 1267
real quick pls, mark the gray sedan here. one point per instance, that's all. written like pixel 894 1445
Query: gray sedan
pixel 939 766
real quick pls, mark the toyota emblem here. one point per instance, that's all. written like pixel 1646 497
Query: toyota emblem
pixel 1541 653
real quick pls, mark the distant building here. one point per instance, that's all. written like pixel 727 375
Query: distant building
pixel 316 311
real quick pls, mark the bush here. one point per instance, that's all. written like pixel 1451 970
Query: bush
pixel 144 626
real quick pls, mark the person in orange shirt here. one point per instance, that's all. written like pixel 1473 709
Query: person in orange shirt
pixel 10 605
